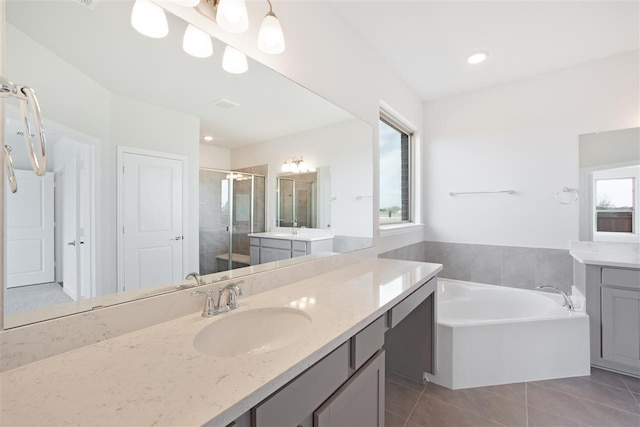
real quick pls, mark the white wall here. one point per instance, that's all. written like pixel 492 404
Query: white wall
pixel 523 136
pixel 345 147
pixel 214 157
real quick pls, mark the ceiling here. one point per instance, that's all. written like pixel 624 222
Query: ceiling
pixel 427 42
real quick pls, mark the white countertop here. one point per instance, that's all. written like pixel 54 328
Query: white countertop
pixel 625 255
pixel 154 376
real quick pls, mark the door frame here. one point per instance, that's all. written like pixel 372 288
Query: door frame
pixel 121 152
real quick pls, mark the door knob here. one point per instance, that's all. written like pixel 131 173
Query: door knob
pixel 72 243
pixel 178 238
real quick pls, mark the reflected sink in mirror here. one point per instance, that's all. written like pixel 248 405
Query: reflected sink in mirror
pixel 252 332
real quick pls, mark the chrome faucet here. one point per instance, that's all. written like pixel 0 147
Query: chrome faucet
pixel 296 232
pixel 567 301
pixel 194 275
pixel 232 290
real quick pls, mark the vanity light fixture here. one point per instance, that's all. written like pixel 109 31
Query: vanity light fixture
pixel 149 19
pixel 231 15
pixel 270 37
pixel 294 165
pixel 477 57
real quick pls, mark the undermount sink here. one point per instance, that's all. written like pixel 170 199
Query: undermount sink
pixel 252 332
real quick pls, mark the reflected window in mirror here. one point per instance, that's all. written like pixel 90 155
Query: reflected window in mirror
pixel 395 171
pixel 615 204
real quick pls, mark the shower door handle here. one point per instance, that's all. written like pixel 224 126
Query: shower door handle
pixel 177 238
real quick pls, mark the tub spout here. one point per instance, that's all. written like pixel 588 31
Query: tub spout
pixel 567 301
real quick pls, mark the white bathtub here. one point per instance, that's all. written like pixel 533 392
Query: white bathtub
pixel 489 335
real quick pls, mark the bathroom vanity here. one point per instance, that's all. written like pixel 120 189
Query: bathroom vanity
pixel 323 369
pixel 609 275
pixel 276 246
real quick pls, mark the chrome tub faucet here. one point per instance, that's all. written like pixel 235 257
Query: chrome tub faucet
pixel 567 301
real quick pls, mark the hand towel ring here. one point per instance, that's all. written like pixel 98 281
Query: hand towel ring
pixel 567 190
pixel 8 165
pixel 29 107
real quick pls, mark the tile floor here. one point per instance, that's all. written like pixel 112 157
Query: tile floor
pixel 603 399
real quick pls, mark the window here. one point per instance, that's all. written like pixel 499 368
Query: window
pixel 615 204
pixel 395 172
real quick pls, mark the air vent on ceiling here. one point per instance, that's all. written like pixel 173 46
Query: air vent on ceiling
pixel 91 4
pixel 224 104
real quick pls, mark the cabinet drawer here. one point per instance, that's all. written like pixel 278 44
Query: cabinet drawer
pixel 367 342
pixel 407 305
pixel 299 246
pixel 297 400
pixel 254 241
pixel 297 253
pixel 276 243
pixel 621 277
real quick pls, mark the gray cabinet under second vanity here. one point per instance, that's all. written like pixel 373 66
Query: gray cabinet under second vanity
pixel 346 387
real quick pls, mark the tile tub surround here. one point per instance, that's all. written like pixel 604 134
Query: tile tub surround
pixel 154 376
pixel 626 255
pixel 602 399
pixel 511 266
pixel 67 331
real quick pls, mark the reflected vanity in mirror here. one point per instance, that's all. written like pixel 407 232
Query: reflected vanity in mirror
pixel 134 198
pixel 609 179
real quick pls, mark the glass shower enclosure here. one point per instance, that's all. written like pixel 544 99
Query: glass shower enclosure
pixel 232 205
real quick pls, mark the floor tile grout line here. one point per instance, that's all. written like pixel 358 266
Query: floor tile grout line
pixel 627 386
pixel 399 416
pixel 513 399
pixel 415 405
pixel 464 409
pixel 591 400
pixel 526 406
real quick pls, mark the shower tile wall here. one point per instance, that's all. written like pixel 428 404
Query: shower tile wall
pixel 510 266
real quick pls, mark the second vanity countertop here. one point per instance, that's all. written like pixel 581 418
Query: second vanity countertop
pixel 155 376
pixel 625 255
pixel 307 235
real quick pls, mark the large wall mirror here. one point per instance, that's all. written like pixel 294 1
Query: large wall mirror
pixel 134 198
pixel 609 182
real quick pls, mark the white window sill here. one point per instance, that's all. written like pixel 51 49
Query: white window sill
pixel 391 229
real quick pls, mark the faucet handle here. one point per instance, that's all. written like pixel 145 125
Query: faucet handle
pixel 209 309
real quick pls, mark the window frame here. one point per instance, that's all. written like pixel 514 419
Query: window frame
pixel 393 120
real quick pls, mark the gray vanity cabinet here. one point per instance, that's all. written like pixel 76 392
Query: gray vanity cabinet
pixel 346 387
pixel 613 305
pixel 359 402
pixel 268 249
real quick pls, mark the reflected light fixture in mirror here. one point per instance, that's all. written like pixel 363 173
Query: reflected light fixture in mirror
pixel 234 61
pixel 196 42
pixel 295 165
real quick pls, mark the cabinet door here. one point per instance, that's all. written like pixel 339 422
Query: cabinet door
pixel 272 254
pixel 359 402
pixel 621 326
pixel 254 255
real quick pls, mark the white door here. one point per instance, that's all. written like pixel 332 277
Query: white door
pixel 73 209
pixel 150 194
pixel 30 231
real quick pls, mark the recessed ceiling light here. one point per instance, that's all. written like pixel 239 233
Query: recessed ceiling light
pixel 477 57
pixel 208 138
